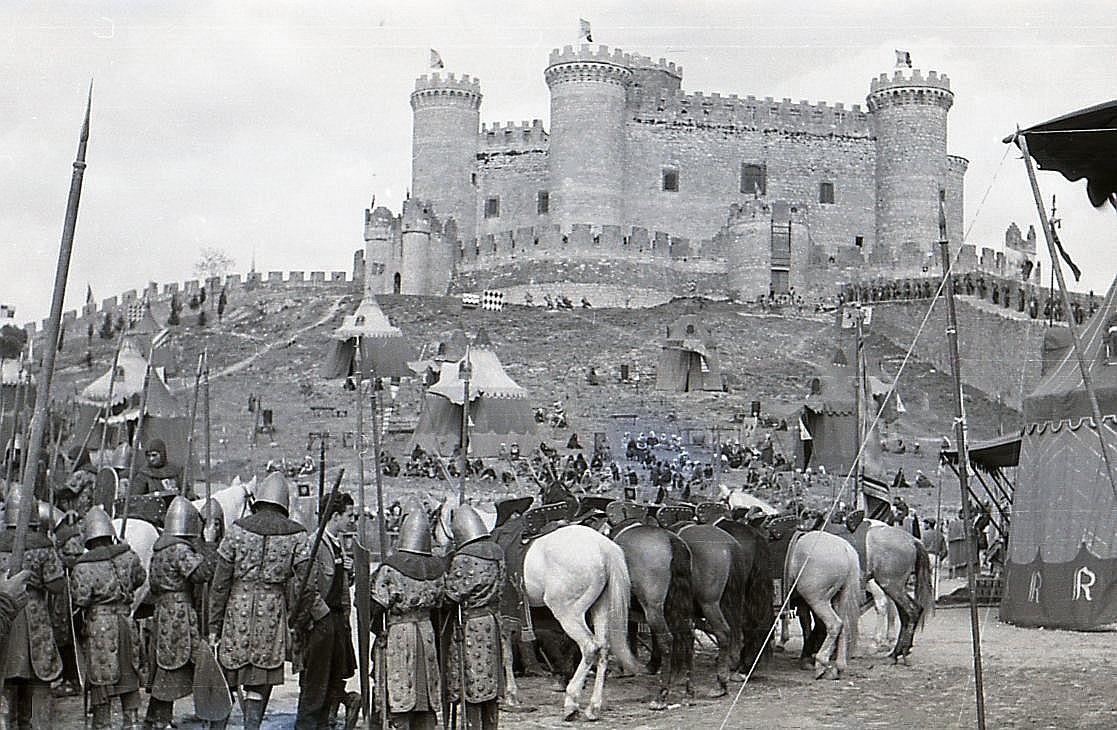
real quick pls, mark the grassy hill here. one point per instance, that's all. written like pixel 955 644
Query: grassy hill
pixel 273 342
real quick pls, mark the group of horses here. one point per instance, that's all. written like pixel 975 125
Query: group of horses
pixel 708 572
pixel 713 574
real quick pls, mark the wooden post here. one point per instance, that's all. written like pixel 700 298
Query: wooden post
pixel 466 371
pixel 1057 270
pixel 46 375
pixel 361 553
pixel 963 466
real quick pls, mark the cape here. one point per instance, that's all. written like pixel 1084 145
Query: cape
pixel 486 549
pixel 167 471
pixel 165 541
pixel 419 567
pixel 105 552
pixel 269 523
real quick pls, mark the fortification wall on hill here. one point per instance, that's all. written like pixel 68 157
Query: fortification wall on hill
pixel 162 293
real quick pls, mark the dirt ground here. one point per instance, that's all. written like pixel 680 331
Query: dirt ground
pixel 1033 679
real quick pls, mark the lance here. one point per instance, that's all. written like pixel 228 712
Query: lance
pixel 193 420
pixel 382 534
pixel 42 394
pixel 206 425
pixel 136 442
pixel 361 579
pixel 108 401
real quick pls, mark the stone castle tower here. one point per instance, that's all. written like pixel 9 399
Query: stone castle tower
pixel 629 154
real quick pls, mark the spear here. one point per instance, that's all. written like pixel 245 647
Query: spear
pixel 136 443
pixel 108 402
pixel 193 420
pixel 17 432
pixel 42 394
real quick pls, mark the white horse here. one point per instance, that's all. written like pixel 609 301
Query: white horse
pixel 234 500
pixel 573 571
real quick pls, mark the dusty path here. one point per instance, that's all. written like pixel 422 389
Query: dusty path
pixel 1034 679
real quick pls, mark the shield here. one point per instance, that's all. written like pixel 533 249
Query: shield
pixel 212 701
pixel 106 488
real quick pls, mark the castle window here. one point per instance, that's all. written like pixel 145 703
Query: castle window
pixel 858 241
pixel 826 192
pixel 542 202
pixel 473 179
pixel 492 207
pixel 670 180
pixel 754 179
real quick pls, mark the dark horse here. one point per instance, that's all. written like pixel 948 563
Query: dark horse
pixel 659 566
pixel 758 616
pixel 721 591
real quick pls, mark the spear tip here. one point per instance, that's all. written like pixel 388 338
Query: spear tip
pixel 85 123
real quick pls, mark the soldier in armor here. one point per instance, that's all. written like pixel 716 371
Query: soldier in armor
pixel 176 569
pixel 328 656
pixel 474 580
pixel 405 589
pixel 76 494
pixel 261 561
pixel 31 660
pixel 103 582
pixel 13 597
pixel 158 474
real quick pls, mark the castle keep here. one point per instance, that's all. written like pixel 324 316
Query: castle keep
pixel 642 185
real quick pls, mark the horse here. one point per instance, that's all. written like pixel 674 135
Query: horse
pixel 234 499
pixel 719 587
pixel 140 536
pixel 758 616
pixel 659 566
pixel 893 554
pixel 826 574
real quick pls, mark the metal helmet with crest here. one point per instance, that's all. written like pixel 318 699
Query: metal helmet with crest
pixel 274 490
pixel 97 524
pixel 467 525
pixel 415 533
pixel 182 519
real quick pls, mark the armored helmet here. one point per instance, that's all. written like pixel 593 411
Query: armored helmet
pixel 49 516
pixel 213 514
pixel 11 505
pixel 274 490
pixel 96 524
pixel 467 525
pixel 182 519
pixel 415 533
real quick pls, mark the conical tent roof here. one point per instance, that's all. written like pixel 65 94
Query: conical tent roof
pixel 131 367
pixel 368 320
pixel 488 378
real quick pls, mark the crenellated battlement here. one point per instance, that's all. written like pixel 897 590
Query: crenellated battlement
pixel 647 62
pixel 438 81
pixel 750 112
pixel 512 136
pixel 905 79
pixel 589 52
pixel 904 88
pixel 957 164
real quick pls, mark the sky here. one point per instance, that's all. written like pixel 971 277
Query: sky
pixel 265 129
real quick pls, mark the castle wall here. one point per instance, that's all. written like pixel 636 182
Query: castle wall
pixel 515 178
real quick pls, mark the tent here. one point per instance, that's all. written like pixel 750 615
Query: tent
pixel 829 415
pixel 384 351
pixel 688 360
pixel 499 412
pixel 164 417
pixel 1062 554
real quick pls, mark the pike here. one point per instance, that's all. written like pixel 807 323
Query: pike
pixel 361 556
pixel 381 668
pixel 42 395
pixel 193 420
pixel 108 402
pixel 136 443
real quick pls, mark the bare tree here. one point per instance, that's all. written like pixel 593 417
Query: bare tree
pixel 212 262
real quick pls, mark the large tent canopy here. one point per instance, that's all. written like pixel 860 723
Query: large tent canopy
pixel 499 411
pixel 384 352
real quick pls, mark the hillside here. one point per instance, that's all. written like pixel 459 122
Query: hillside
pixel 273 343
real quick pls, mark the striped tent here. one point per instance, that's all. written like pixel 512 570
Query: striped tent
pixel 384 350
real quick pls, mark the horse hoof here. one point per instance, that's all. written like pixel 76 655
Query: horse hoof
pixel 592 714
pixel 557 685
pixel 737 677
pixel 657 705
pixel 716 693
pixel 570 714
pixel 820 671
pixel 806 663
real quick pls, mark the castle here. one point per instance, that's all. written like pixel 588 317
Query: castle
pixel 641 185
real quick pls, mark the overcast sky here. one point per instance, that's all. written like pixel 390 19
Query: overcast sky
pixel 267 127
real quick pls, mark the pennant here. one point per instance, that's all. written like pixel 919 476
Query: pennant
pixel 804 434
pixel 1065 256
pixel 903 58
pixel 436 60
pixel 899 403
pixel 584 33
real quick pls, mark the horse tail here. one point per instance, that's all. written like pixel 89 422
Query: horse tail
pixel 678 606
pixel 618 593
pixel 924 591
pixel 733 600
pixel 849 605
pixel 757 609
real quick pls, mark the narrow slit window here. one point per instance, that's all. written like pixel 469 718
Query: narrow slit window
pixel 670 180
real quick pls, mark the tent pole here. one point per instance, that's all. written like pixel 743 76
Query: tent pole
pixel 1087 380
pixel 963 465
pixel 361 564
pixel 858 415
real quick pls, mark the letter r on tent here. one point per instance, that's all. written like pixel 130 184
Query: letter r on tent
pixel 1034 585
pixel 1084 580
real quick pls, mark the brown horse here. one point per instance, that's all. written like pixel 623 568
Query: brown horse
pixel 659 565
pixel 719 583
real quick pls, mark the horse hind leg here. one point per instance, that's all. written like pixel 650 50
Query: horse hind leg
pixel 511 690
pixel 600 614
pixel 574 624
pixel 728 649
pixel 663 643
pixel 825 613
pixel 909 612
pixel 884 616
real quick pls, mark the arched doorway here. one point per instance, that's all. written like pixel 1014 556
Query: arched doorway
pixel 396 283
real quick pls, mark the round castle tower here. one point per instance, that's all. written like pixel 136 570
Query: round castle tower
pixel 909 118
pixel 589 86
pixel 446 121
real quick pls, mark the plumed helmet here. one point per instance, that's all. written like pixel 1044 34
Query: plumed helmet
pixel 96 524
pixel 49 516
pixel 182 519
pixel 415 533
pixel 467 525
pixel 274 490
pixel 11 505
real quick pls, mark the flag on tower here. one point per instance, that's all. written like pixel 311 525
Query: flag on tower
pixel 584 33
pixel 436 59
pixel 903 58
